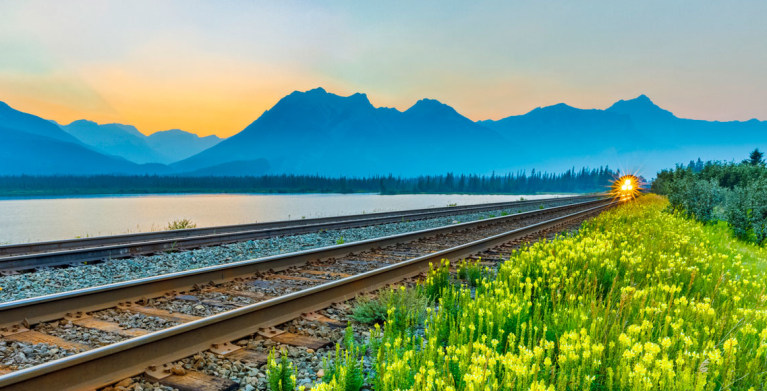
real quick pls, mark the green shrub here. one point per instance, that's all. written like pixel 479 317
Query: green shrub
pixel 370 310
pixel 400 302
pixel 745 210
pixel 695 197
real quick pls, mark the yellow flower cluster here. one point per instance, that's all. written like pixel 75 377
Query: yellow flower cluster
pixel 639 299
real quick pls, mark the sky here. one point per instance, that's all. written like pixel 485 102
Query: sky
pixel 213 67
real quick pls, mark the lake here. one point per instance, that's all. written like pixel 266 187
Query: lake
pixel 41 219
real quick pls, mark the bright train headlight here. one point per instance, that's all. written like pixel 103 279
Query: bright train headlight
pixel 626 187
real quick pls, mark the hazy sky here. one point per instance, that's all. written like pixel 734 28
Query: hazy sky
pixel 214 67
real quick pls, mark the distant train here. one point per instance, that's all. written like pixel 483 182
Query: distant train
pixel 627 187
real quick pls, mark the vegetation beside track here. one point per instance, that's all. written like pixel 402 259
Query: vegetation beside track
pixel 638 299
pixel 732 194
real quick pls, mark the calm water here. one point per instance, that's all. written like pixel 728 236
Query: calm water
pixel 34 219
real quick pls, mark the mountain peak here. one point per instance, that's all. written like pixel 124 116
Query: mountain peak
pixel 360 97
pixel 643 98
pixel 82 122
pixel 427 105
pixel 641 106
pixel 321 93
pixel 557 108
pixel 83 125
pixel 314 93
pixel 319 99
pixel 432 110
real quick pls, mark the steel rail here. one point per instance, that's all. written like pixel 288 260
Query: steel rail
pixel 56 306
pixel 53 253
pixel 105 365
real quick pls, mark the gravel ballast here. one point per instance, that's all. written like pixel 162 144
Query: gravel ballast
pixel 55 280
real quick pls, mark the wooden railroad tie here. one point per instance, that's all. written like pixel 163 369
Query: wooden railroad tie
pixel 35 337
pixel 317 317
pixel 248 294
pixel 287 338
pixel 209 302
pixel 173 317
pixel 294 278
pixel 324 273
pixel 88 321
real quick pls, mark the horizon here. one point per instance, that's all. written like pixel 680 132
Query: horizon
pixel 214 69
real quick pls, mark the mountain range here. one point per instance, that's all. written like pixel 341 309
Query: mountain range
pixel 317 132
pixel 126 141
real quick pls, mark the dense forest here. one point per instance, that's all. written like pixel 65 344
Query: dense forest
pixel 731 193
pixel 571 181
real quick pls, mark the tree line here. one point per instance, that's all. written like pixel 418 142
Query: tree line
pixel 571 181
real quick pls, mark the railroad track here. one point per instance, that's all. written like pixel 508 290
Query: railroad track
pixel 206 309
pixel 29 256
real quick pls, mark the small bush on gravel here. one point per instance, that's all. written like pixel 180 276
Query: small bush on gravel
pixel 181 224
pixel 370 310
pixel 280 374
pixel 375 310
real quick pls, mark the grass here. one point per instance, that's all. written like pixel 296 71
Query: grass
pixel 638 299
pixel 180 224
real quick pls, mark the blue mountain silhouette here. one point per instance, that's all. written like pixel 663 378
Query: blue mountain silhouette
pixel 32 145
pixel 317 132
pixel 126 141
pixel 175 144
